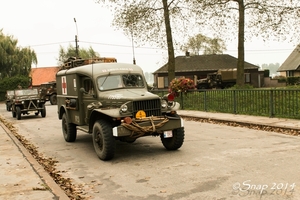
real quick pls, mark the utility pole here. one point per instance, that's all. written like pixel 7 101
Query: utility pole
pixel 76 40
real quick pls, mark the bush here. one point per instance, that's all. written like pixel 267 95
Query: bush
pixel 293 80
pixel 181 85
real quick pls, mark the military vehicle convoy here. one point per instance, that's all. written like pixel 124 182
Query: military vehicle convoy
pixel 48 92
pixel 26 101
pixel 223 78
pixel 111 102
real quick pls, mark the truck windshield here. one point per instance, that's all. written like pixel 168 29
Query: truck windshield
pixel 120 81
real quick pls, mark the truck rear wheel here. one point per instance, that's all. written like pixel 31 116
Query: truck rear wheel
pixel 53 99
pixel 175 142
pixel 103 140
pixel 68 129
pixel 18 113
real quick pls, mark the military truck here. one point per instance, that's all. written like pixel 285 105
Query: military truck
pixel 48 92
pixel 9 98
pixel 26 101
pixel 111 102
pixel 223 78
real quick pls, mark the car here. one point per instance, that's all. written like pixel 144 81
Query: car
pixel 26 101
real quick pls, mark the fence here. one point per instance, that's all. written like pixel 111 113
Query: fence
pixel 260 102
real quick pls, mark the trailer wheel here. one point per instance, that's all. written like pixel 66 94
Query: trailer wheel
pixel 103 140
pixel 68 129
pixel 175 142
pixel 18 113
pixel 53 99
pixel 43 111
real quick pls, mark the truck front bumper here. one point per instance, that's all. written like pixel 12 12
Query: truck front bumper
pixel 148 126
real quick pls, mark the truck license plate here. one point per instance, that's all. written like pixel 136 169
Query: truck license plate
pixel 168 134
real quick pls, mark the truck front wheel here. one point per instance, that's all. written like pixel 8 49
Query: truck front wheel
pixel 175 142
pixel 43 111
pixel 68 129
pixel 103 140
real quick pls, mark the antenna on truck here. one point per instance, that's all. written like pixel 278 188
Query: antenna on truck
pixel 132 44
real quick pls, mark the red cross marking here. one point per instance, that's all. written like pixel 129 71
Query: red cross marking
pixel 64 85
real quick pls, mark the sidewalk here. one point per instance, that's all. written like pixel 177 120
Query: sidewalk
pixel 21 175
pixel 23 178
pixel 247 119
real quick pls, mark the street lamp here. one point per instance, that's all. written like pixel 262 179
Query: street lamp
pixel 76 40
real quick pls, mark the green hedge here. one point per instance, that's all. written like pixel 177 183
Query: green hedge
pixel 12 83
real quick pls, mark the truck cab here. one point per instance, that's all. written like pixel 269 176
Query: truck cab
pixel 111 102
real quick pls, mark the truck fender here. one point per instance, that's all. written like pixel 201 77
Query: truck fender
pixel 61 111
pixel 114 113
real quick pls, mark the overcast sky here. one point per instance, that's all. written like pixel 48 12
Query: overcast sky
pixel 44 25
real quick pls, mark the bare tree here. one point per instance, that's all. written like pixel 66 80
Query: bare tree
pixel 150 21
pixel 205 44
pixel 264 18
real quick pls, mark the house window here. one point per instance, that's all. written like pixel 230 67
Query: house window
pixel 289 73
pixel 247 77
pixel 166 82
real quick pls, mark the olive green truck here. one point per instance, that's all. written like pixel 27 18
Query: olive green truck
pixel 111 102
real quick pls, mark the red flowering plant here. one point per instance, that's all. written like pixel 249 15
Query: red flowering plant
pixel 181 85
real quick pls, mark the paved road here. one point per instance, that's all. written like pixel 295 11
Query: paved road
pixel 215 162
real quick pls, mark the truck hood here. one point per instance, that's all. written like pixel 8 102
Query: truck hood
pixel 128 94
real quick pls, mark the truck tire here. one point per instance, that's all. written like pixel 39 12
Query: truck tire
pixel 68 129
pixel 43 111
pixel 53 99
pixel 175 142
pixel 18 113
pixel 103 140
pixel 13 113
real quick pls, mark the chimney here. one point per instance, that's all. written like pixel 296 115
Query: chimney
pixel 187 54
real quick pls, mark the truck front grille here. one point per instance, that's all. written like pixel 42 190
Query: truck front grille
pixel 151 107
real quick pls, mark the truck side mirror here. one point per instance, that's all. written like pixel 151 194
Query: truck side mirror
pixel 82 90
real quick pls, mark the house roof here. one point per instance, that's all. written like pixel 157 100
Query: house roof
pixel 212 62
pixel 43 75
pixel 292 62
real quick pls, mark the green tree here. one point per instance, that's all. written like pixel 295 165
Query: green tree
pixel 205 44
pixel 263 18
pixel 14 60
pixel 70 51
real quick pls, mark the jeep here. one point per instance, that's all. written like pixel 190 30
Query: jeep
pixel 26 101
pixel 111 102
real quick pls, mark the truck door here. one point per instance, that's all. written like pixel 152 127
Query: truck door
pixel 89 97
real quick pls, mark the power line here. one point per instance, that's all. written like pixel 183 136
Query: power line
pixel 156 48
pixel 36 45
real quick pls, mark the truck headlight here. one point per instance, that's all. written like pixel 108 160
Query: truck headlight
pixel 164 103
pixel 124 108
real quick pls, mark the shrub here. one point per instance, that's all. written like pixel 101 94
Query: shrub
pixel 181 85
